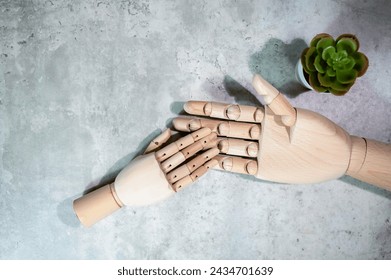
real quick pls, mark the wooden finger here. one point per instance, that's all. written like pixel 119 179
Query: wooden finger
pixel 158 141
pixel 222 128
pixel 225 111
pixel 195 175
pixel 198 146
pixel 212 144
pixel 237 164
pixel 275 100
pixel 191 166
pixel 281 106
pixel 265 89
pixel 175 160
pixel 180 144
pixel 240 130
pixel 238 147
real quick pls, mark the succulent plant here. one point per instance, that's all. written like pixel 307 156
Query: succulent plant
pixel 333 65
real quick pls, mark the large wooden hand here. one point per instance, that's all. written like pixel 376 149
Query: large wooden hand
pixel 152 177
pixel 284 144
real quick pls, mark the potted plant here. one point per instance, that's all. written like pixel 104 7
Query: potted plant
pixel 329 65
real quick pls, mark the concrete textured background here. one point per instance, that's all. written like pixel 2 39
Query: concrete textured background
pixel 85 86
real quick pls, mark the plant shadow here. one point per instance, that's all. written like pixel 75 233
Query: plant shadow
pixel 276 63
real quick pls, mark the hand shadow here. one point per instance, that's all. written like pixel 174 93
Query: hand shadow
pixel 366 187
pixel 241 95
pixel 276 63
pixel 114 170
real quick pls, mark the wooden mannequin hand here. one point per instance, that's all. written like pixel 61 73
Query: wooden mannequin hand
pixel 284 144
pixel 152 177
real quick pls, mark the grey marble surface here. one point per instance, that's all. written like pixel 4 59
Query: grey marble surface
pixel 85 85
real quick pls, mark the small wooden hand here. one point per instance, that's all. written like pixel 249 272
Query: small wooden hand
pixel 152 177
pixel 281 143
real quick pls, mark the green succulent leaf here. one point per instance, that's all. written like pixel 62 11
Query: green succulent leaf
pixel 349 36
pixel 338 66
pixel 361 63
pixel 325 80
pixel 338 92
pixel 346 76
pixel 330 72
pixel 341 87
pixel 348 63
pixel 335 56
pixel 320 65
pixel 317 38
pixel 314 82
pixel 328 52
pixel 324 43
pixel 310 59
pixel 343 54
pixel 347 44
pixel 302 58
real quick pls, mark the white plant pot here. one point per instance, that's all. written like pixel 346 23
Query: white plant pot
pixel 299 73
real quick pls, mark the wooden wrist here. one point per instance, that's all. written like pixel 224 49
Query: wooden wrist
pixel 97 205
pixel 370 162
pixel 357 157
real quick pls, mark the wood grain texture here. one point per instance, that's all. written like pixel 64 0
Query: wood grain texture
pixel 265 89
pixel 357 156
pixel 319 150
pixel 275 100
pixel 280 106
pixel 96 205
pixel 238 147
pixel 295 145
pixel 237 164
pixel 375 159
pixel 191 166
pixel 218 110
pixel 142 182
pixel 180 144
pixel 158 141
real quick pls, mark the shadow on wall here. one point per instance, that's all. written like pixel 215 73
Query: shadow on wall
pixel 276 63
